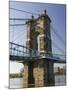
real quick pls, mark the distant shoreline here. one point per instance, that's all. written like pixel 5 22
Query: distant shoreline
pixel 21 76
pixel 15 76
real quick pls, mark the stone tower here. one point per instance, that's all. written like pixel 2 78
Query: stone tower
pixel 31 42
pixel 43 28
pixel 39 73
pixel 45 72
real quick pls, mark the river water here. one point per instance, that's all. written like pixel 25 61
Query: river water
pixel 60 80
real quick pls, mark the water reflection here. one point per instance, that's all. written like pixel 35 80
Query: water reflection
pixel 60 80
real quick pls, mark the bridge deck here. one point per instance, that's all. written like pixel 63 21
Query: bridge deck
pixel 24 59
pixel 21 53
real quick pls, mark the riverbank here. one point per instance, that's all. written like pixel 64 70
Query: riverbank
pixel 60 80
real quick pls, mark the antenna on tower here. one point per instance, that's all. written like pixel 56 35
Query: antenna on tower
pixel 32 17
pixel 45 11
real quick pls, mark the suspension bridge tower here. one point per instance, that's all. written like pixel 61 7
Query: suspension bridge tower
pixel 39 73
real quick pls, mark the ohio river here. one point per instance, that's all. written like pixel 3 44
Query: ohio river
pixel 60 80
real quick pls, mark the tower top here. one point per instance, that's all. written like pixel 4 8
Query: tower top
pixel 45 15
pixel 45 11
pixel 32 17
pixel 30 21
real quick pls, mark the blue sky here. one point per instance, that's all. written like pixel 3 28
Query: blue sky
pixel 57 13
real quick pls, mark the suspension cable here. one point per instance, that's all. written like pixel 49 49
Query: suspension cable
pixel 58 36
pixel 19 19
pixel 24 11
pixel 17 24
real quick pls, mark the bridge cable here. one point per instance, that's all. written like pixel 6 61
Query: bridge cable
pixel 19 19
pixel 58 36
pixel 17 24
pixel 24 11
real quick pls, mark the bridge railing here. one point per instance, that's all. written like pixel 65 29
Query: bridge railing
pixel 52 56
pixel 19 50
